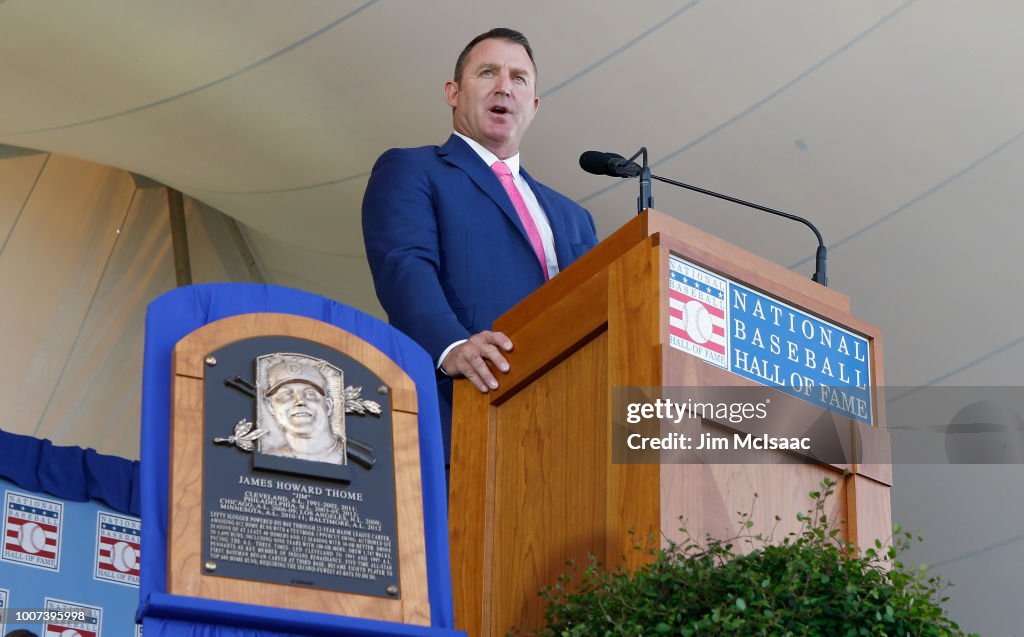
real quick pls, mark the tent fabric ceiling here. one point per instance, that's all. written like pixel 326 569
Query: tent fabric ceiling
pixel 894 124
pixel 891 124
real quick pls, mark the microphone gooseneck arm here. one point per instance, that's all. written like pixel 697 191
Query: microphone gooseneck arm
pixel 614 165
pixel 646 198
pixel 821 256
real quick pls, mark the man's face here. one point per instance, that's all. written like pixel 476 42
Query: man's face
pixel 495 99
pixel 301 410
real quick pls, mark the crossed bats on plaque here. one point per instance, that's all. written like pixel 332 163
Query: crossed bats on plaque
pixel 301 405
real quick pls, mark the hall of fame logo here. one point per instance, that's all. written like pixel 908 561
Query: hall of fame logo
pixel 32 531
pixel 117 549
pixel 697 312
pixel 91 619
pixel 4 594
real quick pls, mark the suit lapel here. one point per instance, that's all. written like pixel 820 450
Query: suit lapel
pixel 556 220
pixel 457 153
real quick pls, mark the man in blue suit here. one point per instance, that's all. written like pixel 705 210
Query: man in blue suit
pixel 456 235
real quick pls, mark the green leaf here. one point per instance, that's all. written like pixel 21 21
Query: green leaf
pixel 740 604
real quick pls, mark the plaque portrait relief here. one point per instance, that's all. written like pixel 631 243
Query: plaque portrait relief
pixel 300 408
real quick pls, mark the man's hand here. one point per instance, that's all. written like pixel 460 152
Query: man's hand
pixel 470 359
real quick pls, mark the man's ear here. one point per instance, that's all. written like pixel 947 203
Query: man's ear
pixel 330 405
pixel 451 92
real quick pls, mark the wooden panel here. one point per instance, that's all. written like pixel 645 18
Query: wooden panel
pixel 583 313
pixel 412 545
pixel 711 497
pixel 185 520
pixel 186 514
pixel 634 352
pixel 870 511
pixel 471 502
pixel 878 448
pixel 708 499
pixel 878 380
pixel 551 458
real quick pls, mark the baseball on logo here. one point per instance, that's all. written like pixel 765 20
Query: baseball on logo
pixel 31 537
pixel 124 557
pixel 697 320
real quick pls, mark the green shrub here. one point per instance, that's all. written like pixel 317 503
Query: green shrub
pixel 810 583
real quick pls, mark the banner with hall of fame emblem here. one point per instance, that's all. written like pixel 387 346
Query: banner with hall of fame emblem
pixel 768 341
pixel 4 594
pixel 117 548
pixel 32 531
pixel 94 592
pixel 84 620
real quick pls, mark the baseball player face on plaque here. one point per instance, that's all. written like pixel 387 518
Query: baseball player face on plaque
pixel 300 410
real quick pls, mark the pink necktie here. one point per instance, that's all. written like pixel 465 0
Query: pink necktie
pixel 504 174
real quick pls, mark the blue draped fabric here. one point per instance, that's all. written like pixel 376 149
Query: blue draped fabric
pixel 190 617
pixel 71 473
pixel 173 316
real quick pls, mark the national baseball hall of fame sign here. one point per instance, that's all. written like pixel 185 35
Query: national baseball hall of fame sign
pixel 289 455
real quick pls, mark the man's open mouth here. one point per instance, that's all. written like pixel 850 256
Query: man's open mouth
pixel 500 110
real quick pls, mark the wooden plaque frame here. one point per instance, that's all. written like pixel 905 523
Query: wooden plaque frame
pixel 184 558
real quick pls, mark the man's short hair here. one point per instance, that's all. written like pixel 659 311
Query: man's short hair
pixel 500 33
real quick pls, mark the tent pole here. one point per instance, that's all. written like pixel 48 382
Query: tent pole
pixel 179 237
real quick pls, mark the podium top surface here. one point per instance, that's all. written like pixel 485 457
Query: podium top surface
pixel 710 251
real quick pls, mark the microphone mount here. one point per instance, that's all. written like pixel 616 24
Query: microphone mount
pixel 646 198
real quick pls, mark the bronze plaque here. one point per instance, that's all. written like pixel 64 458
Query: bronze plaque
pixel 298 469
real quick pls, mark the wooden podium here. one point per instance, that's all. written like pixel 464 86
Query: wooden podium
pixel 533 482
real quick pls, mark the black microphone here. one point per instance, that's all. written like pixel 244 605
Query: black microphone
pixel 611 164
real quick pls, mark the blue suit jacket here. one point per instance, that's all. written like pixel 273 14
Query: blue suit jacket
pixel 446 248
